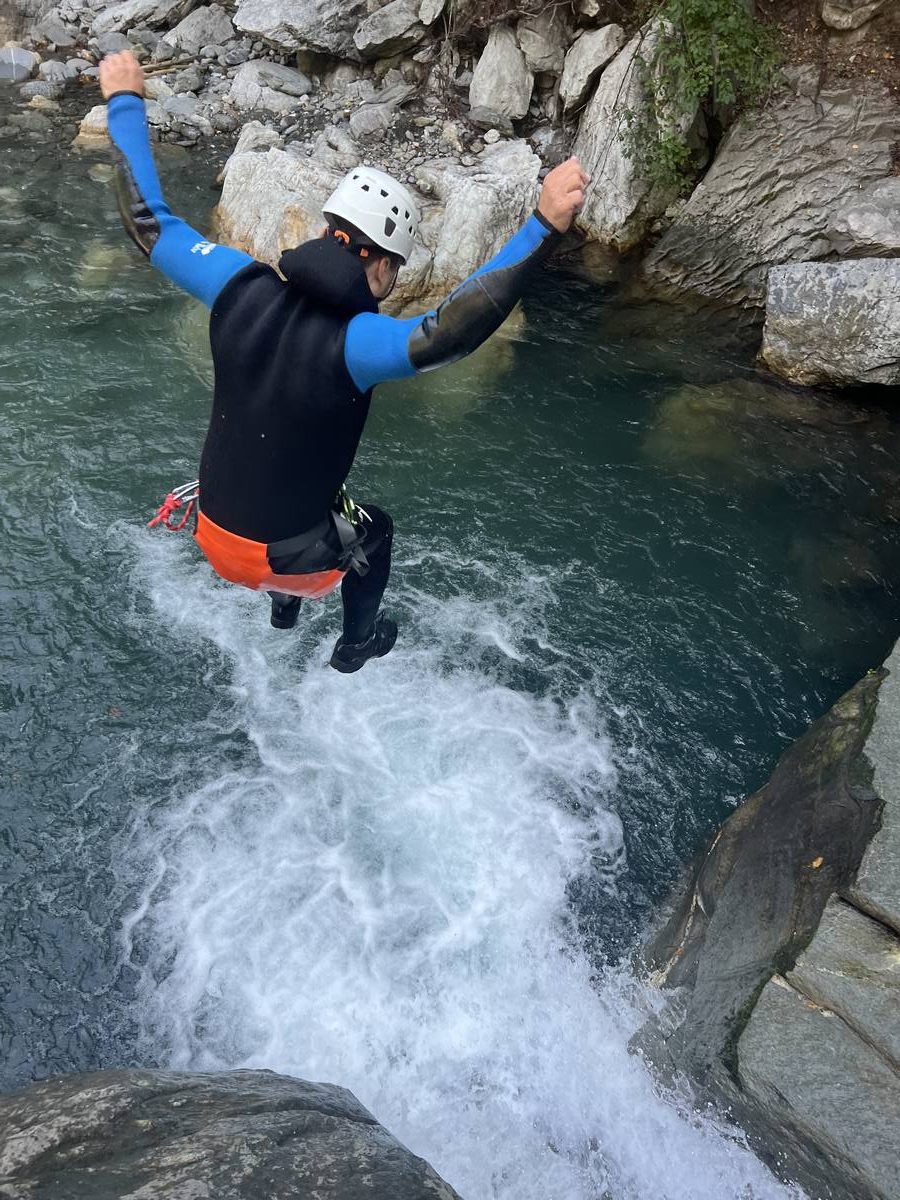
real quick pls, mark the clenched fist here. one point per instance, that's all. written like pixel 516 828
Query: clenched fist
pixel 121 73
pixel 563 194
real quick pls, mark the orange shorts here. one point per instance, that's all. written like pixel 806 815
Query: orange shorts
pixel 239 560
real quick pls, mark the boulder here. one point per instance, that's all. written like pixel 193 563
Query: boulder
pixel 588 55
pixel 784 955
pixel 238 1135
pixel 770 195
pixel 17 65
pixel 325 26
pixel 112 43
pixel 543 40
pixel 391 30
pixel 272 201
pixel 620 202
pixel 93 130
pixel 501 82
pixel 268 87
pixel 372 121
pixel 430 10
pixel 834 322
pixel 868 226
pixel 52 29
pixel 154 14
pixel 205 26
pixel 850 14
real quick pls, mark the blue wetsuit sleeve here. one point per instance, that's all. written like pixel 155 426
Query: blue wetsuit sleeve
pixel 379 348
pixel 182 254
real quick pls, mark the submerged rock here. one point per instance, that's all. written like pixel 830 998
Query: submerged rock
pixel 240 1135
pixel 17 65
pixel 769 196
pixel 783 954
pixel 834 322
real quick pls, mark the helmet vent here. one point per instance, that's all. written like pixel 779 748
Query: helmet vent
pixel 384 193
pixel 396 211
pixel 365 187
pixel 389 226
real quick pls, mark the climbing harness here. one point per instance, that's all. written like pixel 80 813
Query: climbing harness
pixel 185 497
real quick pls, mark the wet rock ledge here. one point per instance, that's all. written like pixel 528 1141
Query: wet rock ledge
pixel 782 956
pixel 167 1135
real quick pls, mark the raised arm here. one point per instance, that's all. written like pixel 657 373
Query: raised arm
pixel 380 348
pixel 199 266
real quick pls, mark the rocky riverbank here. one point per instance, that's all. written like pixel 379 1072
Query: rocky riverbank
pixel 167 1135
pixel 782 955
pixel 793 216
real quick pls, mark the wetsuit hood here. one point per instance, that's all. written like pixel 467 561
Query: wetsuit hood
pixel 324 272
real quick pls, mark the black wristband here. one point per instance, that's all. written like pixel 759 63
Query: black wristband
pixel 546 224
pixel 137 95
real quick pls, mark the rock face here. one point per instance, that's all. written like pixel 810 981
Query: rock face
pixel 501 82
pixel 241 1135
pixel 784 954
pixel 834 322
pixel 322 25
pixel 543 40
pixel 868 226
pixel 586 58
pixel 272 201
pixel 620 204
pixel 770 194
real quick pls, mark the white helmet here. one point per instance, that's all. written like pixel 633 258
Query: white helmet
pixel 379 207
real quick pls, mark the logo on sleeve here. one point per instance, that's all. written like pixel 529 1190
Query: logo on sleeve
pixel 203 248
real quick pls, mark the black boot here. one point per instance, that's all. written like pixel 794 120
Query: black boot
pixel 347 657
pixel 285 610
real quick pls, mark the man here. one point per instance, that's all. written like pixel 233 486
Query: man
pixel 296 354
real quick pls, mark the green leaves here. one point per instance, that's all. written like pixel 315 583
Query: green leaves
pixel 710 54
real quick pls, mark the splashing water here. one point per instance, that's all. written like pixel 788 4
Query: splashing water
pixel 376 895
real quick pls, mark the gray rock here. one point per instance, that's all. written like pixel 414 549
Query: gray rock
pixel 621 203
pixel 202 27
pixel 501 82
pixel 868 226
pixel 326 26
pixel 268 87
pixel 238 1135
pixel 182 106
pixel 155 14
pixel 188 80
pixel 587 57
pixel 835 323
pixel 52 29
pixel 430 10
pixel 770 195
pixel 17 65
pixel 46 88
pixel 234 58
pixel 55 72
pixel 256 137
pixel 543 40
pixel 756 896
pixel 390 30
pixel 877 887
pixel 850 14
pixel 112 43
pixel 31 122
pixel 371 121
pixel 823 1086
pixel 852 968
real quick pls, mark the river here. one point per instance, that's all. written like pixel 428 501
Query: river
pixel 627 574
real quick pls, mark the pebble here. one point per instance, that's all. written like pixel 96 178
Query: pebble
pixel 491 137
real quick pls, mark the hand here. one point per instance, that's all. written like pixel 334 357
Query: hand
pixel 121 73
pixel 563 194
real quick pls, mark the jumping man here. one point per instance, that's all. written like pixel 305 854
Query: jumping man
pixel 297 353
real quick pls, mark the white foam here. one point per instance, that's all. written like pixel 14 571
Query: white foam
pixel 378 897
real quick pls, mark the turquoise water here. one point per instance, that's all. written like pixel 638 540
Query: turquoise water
pixel 628 573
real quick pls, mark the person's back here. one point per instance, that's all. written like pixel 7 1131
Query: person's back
pixel 296 356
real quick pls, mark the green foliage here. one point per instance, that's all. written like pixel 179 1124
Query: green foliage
pixel 712 54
